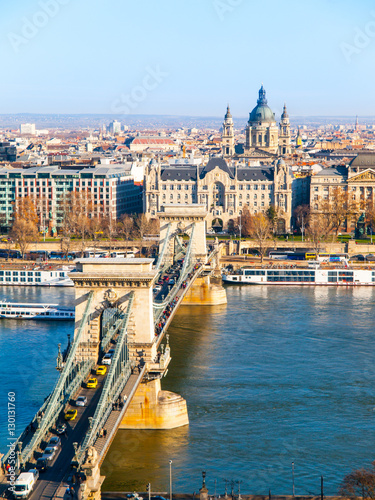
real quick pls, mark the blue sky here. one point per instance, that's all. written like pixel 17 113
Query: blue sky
pixel 91 56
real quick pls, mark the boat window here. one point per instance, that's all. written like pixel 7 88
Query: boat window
pixel 38 273
pixel 23 273
pixel 30 273
pixel 8 273
pixel 27 313
pixel 15 273
pixel 1 273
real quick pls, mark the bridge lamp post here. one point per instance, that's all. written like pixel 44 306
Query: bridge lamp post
pixel 293 477
pixel 170 479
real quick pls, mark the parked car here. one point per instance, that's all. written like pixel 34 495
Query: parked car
pixel 81 401
pixel 370 257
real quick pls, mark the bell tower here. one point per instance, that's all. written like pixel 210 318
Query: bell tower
pixel 284 134
pixel 228 135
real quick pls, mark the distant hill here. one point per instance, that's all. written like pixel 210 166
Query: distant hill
pixel 81 121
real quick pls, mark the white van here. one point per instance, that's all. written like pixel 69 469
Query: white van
pixel 24 485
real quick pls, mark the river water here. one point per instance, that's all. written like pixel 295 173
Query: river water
pixel 279 375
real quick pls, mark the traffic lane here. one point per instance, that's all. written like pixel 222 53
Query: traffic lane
pixel 76 432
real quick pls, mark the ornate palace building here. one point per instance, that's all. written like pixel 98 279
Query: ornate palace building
pixel 357 179
pixel 224 187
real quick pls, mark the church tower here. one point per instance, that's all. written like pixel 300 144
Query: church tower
pixel 228 135
pixel 284 134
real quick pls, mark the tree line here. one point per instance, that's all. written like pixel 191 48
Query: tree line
pixel 77 218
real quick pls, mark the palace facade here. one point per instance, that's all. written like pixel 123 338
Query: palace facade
pixel 224 187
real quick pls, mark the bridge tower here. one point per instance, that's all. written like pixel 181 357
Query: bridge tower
pixel 180 219
pixel 109 283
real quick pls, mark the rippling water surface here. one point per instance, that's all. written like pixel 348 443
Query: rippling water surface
pixel 278 375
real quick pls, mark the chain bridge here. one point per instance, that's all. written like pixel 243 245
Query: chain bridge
pixel 123 306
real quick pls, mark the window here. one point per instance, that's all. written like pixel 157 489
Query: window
pixel 232 188
pixel 171 187
pixel 164 187
pixel 263 187
pixel 186 187
pixel 255 186
pixel 248 187
pixel 179 187
pixel 316 188
pixel 241 187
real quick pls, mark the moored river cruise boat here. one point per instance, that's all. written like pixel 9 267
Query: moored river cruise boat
pixel 301 276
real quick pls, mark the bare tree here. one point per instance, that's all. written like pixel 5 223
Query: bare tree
pixel 126 228
pixel 78 209
pixel 246 222
pixel 317 230
pixel 359 483
pixel 301 216
pixel 261 229
pixel 338 208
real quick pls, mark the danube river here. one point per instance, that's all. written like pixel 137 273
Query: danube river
pixel 279 375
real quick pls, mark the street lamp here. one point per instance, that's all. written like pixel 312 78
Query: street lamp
pixel 302 228
pixel 293 476
pixel 170 479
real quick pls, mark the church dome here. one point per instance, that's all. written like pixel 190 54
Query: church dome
pixel 262 112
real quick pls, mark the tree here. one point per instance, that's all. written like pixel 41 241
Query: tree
pixel 246 222
pixel 359 483
pixel 24 228
pixel 301 216
pixel 261 229
pixel 317 230
pixel 338 208
pixel 126 227
pixel 142 225
pixel 77 208
pixel 272 215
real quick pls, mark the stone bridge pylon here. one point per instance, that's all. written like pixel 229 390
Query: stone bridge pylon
pixel 183 219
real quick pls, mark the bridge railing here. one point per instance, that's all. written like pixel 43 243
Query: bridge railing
pixel 118 374
pixel 186 269
pixel 164 249
pixel 70 379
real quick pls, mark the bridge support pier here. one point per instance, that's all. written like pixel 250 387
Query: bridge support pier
pixel 152 408
pixel 206 291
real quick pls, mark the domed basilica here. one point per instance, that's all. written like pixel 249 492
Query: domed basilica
pixel 264 138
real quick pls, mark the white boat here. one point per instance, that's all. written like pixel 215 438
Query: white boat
pixel 17 310
pixel 302 276
pixel 36 277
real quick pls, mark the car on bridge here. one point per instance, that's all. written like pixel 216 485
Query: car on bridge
pixel 92 383
pixel 41 464
pixel 81 401
pixel 71 414
pixel 49 453
pixel 107 359
pixel 54 442
pixel 60 429
pixel 101 370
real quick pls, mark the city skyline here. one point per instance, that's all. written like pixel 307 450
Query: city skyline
pixel 187 59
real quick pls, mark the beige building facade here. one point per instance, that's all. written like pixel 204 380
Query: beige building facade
pixel 223 188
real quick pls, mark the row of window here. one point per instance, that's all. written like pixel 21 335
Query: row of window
pixel 241 187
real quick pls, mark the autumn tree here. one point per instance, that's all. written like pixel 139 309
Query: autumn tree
pixel 359 483
pixel 338 208
pixel 261 229
pixel 24 228
pixel 317 230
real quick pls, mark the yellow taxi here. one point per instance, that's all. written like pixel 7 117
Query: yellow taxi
pixel 70 414
pixel 101 370
pixel 92 383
